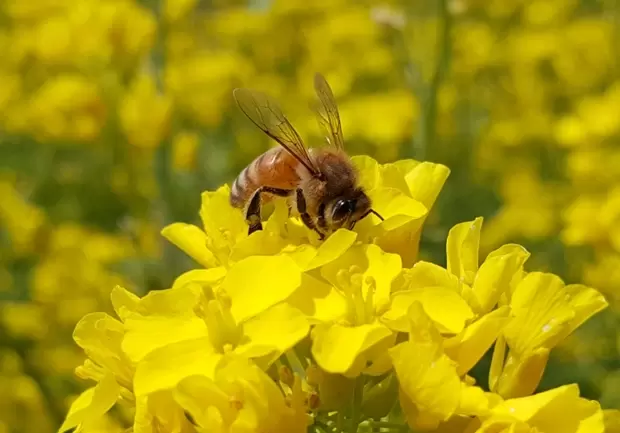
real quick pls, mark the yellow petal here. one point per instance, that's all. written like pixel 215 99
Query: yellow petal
pixel 206 277
pixel 497 362
pixel 369 172
pixel 302 254
pixel 101 336
pixel 546 311
pixel 474 401
pixel 192 241
pixel 163 368
pixel 262 242
pixel 204 400
pixel 333 247
pixel 393 174
pixel 397 209
pixel 383 268
pixel 404 240
pixel 462 247
pixel 560 409
pixel 586 302
pixel 224 224
pixel 469 346
pixel 595 423
pixel 336 347
pixel 147 333
pixel 179 301
pixel 98 332
pixel 425 181
pixel 424 274
pixel 124 302
pixel 92 403
pixel 429 384
pixel 429 381
pixel 256 283
pixel 159 412
pixel 445 307
pixel 273 332
pixel 611 419
pixel 495 275
pixel 376 360
pixel 319 301
pixel 521 375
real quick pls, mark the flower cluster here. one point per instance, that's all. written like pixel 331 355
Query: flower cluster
pixel 115 114
pixel 70 276
pixel 278 331
pixel 545 87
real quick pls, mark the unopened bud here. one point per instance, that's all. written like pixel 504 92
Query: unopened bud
pixel 286 375
pixel 313 375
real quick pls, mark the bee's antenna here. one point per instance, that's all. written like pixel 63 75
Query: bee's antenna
pixel 376 213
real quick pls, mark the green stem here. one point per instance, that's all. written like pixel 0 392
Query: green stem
pixel 356 409
pixel 387 425
pixel 295 362
pixel 427 132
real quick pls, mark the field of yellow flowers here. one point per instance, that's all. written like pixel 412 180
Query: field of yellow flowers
pixel 486 132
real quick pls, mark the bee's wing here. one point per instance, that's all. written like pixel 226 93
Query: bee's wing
pixel 327 112
pixel 265 113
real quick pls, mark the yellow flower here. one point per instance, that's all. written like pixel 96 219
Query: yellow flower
pixel 68 107
pixel 91 406
pixel 544 311
pixel 585 53
pixel 557 410
pixel 467 293
pixel 200 84
pixel 23 320
pixel 21 219
pixel 526 198
pixel 102 338
pixel 363 306
pixel 361 285
pixel 209 313
pixel 431 391
pixel 178 9
pixel 144 113
pixel 241 397
pixel 185 150
pixel 401 192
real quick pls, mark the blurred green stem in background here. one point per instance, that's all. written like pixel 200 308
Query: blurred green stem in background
pixel 428 93
pixel 425 86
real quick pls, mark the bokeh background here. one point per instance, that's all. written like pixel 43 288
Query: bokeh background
pixel 116 114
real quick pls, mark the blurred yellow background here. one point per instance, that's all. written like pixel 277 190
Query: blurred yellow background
pixel 116 114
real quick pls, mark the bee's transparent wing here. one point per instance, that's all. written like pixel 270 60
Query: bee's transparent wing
pixel 327 112
pixel 266 114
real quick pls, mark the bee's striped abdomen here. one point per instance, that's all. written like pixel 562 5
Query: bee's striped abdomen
pixel 246 183
pixel 275 168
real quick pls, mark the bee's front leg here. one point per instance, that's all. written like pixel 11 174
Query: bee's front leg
pixel 252 212
pixel 305 216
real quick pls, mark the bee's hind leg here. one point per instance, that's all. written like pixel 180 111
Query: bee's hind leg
pixel 305 216
pixel 252 212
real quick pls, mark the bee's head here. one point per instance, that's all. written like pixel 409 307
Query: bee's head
pixel 346 211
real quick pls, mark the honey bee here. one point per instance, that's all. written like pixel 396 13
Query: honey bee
pixel 321 183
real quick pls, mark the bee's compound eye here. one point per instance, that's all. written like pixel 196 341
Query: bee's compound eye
pixel 342 209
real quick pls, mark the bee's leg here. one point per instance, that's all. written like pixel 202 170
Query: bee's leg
pixel 305 217
pixel 252 213
pixel 321 217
